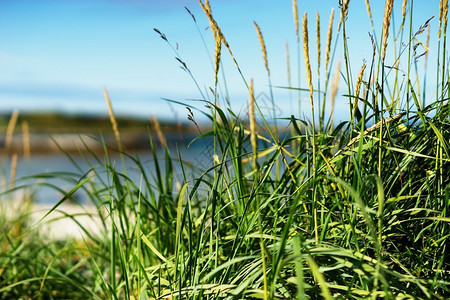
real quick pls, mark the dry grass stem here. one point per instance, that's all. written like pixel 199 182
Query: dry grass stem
pixel 358 88
pixel 369 130
pixel 112 118
pixel 263 47
pixel 213 24
pixel 359 80
pixel 207 10
pixel 318 40
pixel 296 21
pixel 13 170
pixel 389 4
pixel 218 32
pixel 445 15
pixel 288 65
pixel 427 44
pixel 443 5
pixel 369 11
pixel 307 61
pixel 252 119
pixel 344 12
pixel 159 132
pixel 405 2
pixel 440 18
pixel 334 86
pixel 26 140
pixel 217 55
pixel 10 129
pixel 329 34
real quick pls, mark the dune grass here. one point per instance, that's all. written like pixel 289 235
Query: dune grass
pixel 358 209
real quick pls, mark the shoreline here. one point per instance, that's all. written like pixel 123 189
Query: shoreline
pixel 75 142
pixel 60 224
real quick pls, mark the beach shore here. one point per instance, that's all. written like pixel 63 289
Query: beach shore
pixel 66 221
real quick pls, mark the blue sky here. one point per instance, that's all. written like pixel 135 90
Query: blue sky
pixel 57 55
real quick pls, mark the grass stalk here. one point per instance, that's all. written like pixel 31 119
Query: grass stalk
pixel 297 34
pixel 26 140
pixel 10 130
pixel 253 133
pixel 13 171
pixel 113 120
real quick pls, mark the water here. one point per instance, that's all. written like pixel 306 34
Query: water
pixel 59 170
pixel 45 173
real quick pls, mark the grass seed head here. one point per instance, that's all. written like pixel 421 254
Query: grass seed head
pixel 306 55
pixel 445 15
pixel 288 65
pixel 386 23
pixel 427 44
pixel 212 23
pixel 159 132
pixel 405 2
pixel 359 80
pixel 329 35
pixel 335 85
pixel 26 140
pixel 441 13
pixel 295 12
pixel 13 170
pixel 318 38
pixel 217 31
pixel 358 88
pixel 252 119
pixel 263 46
pixel 369 11
pixel 10 130
pixel 217 56
pixel 344 11
pixel 112 118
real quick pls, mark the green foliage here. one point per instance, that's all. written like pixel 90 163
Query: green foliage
pixel 367 216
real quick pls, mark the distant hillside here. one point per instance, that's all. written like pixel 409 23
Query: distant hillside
pixel 48 129
pixel 62 123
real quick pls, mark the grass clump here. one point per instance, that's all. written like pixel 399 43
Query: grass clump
pixel 359 209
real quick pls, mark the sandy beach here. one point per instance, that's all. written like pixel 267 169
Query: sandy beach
pixel 62 223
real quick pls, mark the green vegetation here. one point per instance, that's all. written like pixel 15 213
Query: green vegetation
pixel 359 209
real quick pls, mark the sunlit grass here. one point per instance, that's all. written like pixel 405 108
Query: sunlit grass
pixel 358 209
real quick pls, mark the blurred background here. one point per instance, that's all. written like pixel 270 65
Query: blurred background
pixel 56 57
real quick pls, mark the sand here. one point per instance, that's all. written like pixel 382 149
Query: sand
pixel 56 225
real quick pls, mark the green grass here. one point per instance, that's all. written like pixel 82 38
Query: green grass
pixel 358 209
